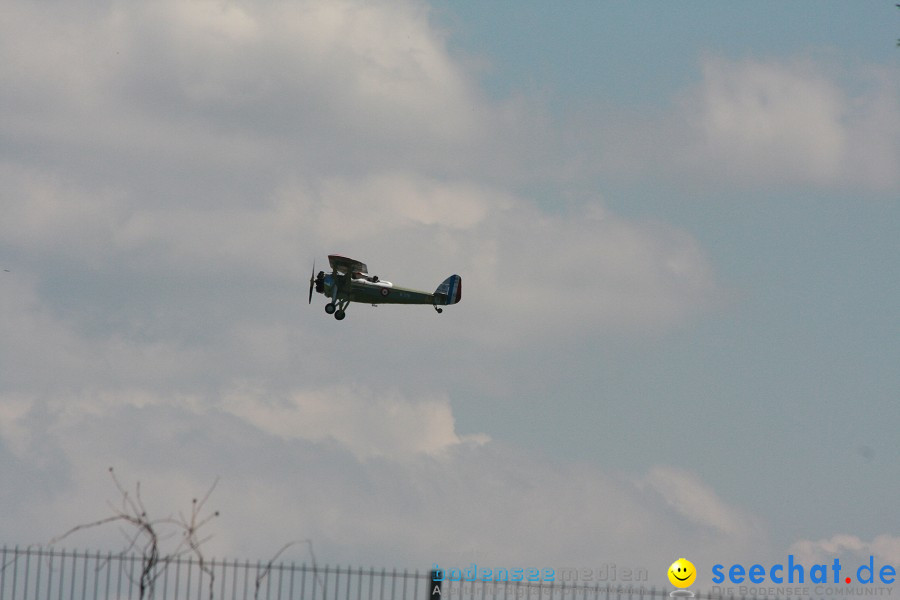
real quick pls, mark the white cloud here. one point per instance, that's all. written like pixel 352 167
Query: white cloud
pixel 203 81
pixel 374 500
pixel 773 117
pixel 369 422
pixel 752 123
pixel 690 498
pixel 796 122
pixel 42 214
pixel 873 132
pixel 50 351
pixel 390 203
pixel 584 272
pixel 851 549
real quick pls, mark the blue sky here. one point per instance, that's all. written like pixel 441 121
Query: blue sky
pixel 642 53
pixel 794 378
pixel 676 225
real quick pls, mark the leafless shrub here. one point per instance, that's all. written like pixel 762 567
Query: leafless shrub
pixel 265 572
pixel 144 533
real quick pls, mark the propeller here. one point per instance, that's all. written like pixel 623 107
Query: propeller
pixel 312 281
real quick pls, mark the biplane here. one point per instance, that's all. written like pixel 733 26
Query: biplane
pixel 349 281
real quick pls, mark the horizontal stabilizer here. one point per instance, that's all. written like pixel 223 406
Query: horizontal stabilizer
pixel 450 291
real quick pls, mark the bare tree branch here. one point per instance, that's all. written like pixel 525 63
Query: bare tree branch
pixel 265 572
pixel 144 533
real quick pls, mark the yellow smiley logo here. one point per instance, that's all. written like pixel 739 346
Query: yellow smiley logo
pixel 682 573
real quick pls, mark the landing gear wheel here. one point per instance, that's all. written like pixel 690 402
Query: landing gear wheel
pixel 329 308
pixel 339 315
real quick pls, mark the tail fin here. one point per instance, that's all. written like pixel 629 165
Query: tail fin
pixel 449 292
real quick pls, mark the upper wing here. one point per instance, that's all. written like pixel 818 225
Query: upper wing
pixel 342 264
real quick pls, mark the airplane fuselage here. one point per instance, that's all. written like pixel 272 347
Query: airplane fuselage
pixel 380 292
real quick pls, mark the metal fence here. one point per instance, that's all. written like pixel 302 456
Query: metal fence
pixel 54 574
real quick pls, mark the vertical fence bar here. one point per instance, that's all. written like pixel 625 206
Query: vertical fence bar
pixel 187 587
pixel 337 582
pixel 279 588
pixel 234 580
pixel 108 574
pixel 74 574
pixel 212 580
pixel 201 575
pixel 98 576
pixel 303 581
pixel 315 581
pixel 222 589
pixel 3 573
pixel 3 570
pixel 130 577
pixel 85 574
pixel 62 575
pixel 120 567
pixel 37 582
pixel 152 576
pixel 246 578
pixel 97 567
pixel 187 584
pixel 257 582
pixel 15 564
pixel 27 569
pixel 349 582
pixel 177 579
pixel 291 581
